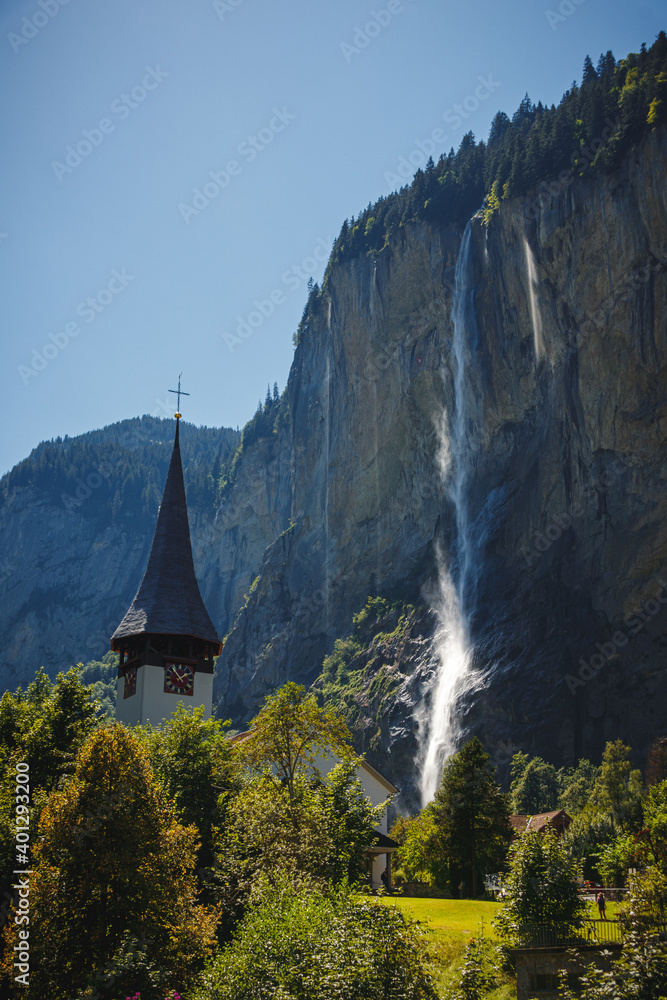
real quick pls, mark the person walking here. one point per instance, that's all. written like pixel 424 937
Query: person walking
pixel 602 905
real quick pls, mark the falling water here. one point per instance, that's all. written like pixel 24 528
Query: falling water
pixel 454 675
pixel 533 291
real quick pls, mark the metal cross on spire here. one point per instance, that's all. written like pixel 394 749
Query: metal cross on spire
pixel 179 392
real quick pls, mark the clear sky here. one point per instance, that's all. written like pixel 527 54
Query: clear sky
pixel 287 117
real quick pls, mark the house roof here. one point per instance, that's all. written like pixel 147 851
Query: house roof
pixel 383 843
pixel 168 601
pixel 539 821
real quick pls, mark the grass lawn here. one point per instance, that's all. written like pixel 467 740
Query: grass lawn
pixel 450 918
pixel 593 914
pixel 460 919
pixel 453 922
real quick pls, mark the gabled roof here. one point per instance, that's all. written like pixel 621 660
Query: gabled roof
pixel 168 601
pixel 539 821
pixel 389 785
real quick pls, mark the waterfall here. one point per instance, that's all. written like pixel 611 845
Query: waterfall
pixel 454 675
pixel 533 290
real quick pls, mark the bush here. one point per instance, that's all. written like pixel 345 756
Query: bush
pixel 479 972
pixel 541 886
pixel 301 942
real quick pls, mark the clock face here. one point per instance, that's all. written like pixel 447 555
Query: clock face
pixel 179 678
pixel 130 682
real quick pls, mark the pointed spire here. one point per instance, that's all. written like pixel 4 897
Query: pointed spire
pixel 168 601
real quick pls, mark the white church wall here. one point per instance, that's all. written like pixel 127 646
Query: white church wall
pixel 151 703
pixel 375 787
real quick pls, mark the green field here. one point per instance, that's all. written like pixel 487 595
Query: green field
pixel 452 922
pixel 450 918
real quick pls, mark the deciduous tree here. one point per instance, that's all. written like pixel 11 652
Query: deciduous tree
pixel 196 765
pixel 535 785
pixel 542 884
pixel 618 789
pixel 291 734
pixel 109 861
pixel 576 786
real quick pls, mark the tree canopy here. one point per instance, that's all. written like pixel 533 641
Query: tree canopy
pixel 194 761
pixel 292 734
pixel 618 788
pixel 472 829
pixel 542 884
pixel 111 864
pixel 535 785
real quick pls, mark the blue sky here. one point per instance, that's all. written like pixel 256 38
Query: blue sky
pixel 286 117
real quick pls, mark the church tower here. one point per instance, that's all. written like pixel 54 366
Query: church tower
pixel 166 642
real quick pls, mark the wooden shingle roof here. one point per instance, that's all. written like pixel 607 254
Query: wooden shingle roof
pixel 168 601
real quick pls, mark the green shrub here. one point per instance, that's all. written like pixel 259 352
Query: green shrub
pixel 300 942
pixel 541 886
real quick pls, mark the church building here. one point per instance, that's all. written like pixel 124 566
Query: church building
pixel 166 641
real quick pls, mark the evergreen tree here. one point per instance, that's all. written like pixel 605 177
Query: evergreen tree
pixel 471 818
pixel 589 74
pixel 531 148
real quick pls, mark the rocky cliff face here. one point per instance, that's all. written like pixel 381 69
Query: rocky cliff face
pixel 562 406
pixel 564 374
pixel 72 556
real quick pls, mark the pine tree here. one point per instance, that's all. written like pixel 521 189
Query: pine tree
pixel 471 817
pixel 589 74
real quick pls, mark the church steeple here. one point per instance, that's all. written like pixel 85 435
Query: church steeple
pixel 166 640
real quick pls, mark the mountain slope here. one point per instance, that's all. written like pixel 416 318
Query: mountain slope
pixel 476 407
pixel 76 523
pixel 565 383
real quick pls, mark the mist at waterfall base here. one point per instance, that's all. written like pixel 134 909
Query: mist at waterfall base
pixel 453 653
pixel 454 675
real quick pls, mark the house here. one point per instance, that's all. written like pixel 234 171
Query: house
pixel 378 789
pixel 557 820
